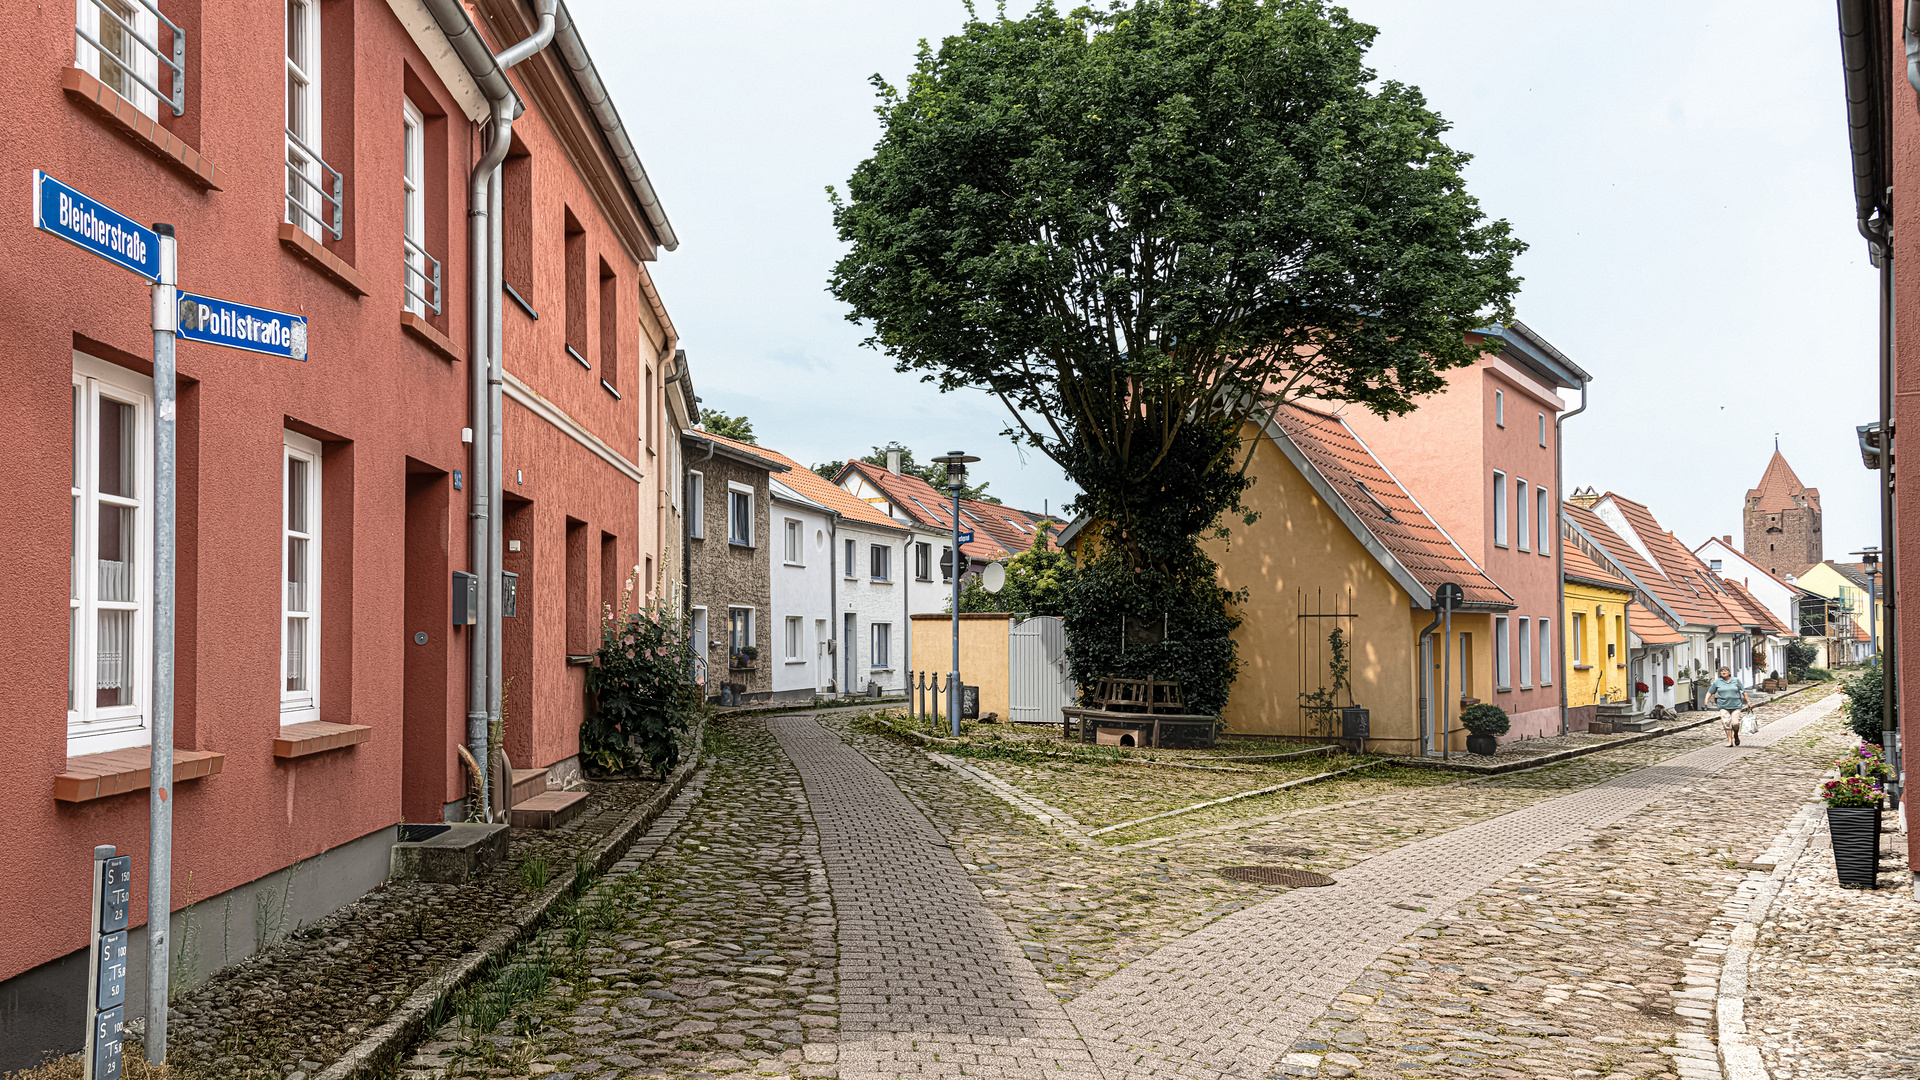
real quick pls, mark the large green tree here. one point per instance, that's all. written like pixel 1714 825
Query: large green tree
pixel 1143 226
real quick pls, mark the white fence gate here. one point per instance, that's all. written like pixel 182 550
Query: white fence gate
pixel 1038 685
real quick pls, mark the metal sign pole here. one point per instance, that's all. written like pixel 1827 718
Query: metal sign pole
pixel 953 678
pixel 166 314
pixel 1446 682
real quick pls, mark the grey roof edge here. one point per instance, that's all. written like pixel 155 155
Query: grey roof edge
pixel 1540 355
pixel 724 450
pixel 586 78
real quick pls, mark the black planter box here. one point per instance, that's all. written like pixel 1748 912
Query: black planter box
pixel 1855 831
pixel 1355 722
pixel 1483 745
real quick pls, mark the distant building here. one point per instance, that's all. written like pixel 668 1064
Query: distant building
pixel 1782 534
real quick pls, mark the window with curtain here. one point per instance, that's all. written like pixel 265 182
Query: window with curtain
pixel 1520 531
pixel 795 549
pixel 109 576
pixel 1546 653
pixel 1500 508
pixel 1502 660
pixel 696 504
pixel 1523 642
pixel 793 637
pixel 882 634
pixel 304 209
pixel 300 577
pixel 740 517
pixel 1543 520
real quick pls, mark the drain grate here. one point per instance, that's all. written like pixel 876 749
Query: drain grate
pixel 1275 875
pixel 1296 851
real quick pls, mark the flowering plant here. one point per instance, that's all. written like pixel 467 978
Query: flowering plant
pixel 1666 681
pixel 1850 791
pixel 1866 761
pixel 641 685
pixel 1639 688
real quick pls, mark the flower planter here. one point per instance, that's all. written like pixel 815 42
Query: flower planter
pixel 1855 831
pixel 1481 744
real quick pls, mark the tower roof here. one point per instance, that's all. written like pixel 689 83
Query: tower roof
pixel 1780 489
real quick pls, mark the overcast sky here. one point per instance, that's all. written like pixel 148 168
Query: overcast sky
pixel 1679 170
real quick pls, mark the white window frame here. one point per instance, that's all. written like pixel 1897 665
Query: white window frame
pixel 737 528
pixel 1499 508
pixel 922 561
pixel 1500 408
pixel 413 220
pixel 1523 645
pixel 795 640
pixel 92 729
pixel 752 632
pixel 696 504
pixel 299 706
pixel 952 561
pixel 1522 533
pixel 140 61
pixel 305 71
pixel 1502 657
pixel 796 542
pixel 852 569
pixel 1579 637
pixel 698 615
pixel 883 554
pixel 879 646
pixel 1543 429
pixel 1547 653
pixel 1543 520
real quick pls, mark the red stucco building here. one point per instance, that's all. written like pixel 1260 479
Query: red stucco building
pixel 323 504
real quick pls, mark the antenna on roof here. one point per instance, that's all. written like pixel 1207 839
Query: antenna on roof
pixel 1776 442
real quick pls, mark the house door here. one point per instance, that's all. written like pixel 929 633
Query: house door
pixel 849 652
pixel 1038 685
pixel 700 645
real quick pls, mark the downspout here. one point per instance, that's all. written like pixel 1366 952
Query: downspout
pixel 484 345
pixel 1559 552
pixel 833 599
pixel 1424 678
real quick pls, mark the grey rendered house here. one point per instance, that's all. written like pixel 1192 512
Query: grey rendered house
pixel 729 583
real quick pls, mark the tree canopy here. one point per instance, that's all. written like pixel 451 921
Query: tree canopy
pixel 737 428
pixel 1141 227
pixel 1038 581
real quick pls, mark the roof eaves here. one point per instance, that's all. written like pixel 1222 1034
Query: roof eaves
pixel 1667 614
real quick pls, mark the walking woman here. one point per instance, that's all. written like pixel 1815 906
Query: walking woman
pixel 1730 698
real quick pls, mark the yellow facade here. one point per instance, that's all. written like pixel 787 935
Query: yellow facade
pixel 1596 635
pixel 1299 559
pixel 983 655
pixel 1828 582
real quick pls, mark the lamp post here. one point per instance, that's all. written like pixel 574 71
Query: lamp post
pixel 1871 558
pixel 956 462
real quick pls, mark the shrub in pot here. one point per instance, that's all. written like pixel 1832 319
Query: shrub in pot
pixel 1483 722
pixel 1853 822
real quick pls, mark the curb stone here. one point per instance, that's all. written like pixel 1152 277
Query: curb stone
pixel 1747 910
pixel 373 1055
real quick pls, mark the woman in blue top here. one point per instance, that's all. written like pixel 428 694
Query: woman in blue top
pixel 1729 697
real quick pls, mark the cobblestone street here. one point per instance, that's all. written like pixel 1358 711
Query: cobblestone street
pixel 826 899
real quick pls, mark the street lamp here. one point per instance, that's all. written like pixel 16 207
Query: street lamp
pixel 1870 557
pixel 956 462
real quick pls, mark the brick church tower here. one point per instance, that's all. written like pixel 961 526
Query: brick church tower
pixel 1783 521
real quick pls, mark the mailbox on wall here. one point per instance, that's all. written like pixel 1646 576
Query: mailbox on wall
pixel 466 598
pixel 509 594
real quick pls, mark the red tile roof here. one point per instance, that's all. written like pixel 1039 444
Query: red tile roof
pixel 1649 627
pixel 1679 578
pixel 998 530
pixel 829 494
pixel 1577 565
pixel 1385 508
pixel 1781 490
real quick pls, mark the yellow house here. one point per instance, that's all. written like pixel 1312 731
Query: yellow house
pixel 1848 639
pixel 1343 560
pixel 1597 603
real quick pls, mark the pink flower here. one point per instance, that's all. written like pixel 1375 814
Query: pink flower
pixel 629 654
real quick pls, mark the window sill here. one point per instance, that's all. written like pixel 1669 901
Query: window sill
pixel 520 300
pixel 576 355
pixel 796 661
pixel 747 544
pixel 117 772
pixel 144 131
pixel 431 338
pixel 1583 667
pixel 799 565
pixel 1503 689
pixel 331 266
pixel 610 390
pixel 318 736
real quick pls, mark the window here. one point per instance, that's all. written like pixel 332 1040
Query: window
pixel 576 297
pixel 421 287
pixel 1543 520
pixel 1500 509
pixel 946 564
pixel 699 639
pixel 1579 638
pixel 793 639
pixel 305 186
pixel 739 515
pixel 516 227
pixel 795 548
pixel 1502 659
pixel 696 504
pixel 108 580
pixel 882 633
pixel 1619 636
pixel 609 329
pixel 124 38
pixel 880 562
pixel 1499 408
pixel 1520 530
pixel 300 571
pixel 739 635
pixel 1524 641
pixel 852 568
pixel 923 562
pixel 1543 429
pixel 1546 653
pixel 1714 565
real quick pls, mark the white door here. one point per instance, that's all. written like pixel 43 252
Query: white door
pixel 1037 680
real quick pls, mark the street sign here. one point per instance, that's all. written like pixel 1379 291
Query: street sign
pixel 115 891
pixel 966 538
pixel 110 989
pixel 108 1027
pixel 90 224
pixel 242 326
pixel 107 975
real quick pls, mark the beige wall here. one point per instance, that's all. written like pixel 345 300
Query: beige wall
pixel 983 655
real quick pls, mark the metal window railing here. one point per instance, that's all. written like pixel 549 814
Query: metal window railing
pixel 297 203
pixel 177 63
pixel 429 291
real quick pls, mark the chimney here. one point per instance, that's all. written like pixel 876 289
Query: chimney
pixel 893 460
pixel 1727 539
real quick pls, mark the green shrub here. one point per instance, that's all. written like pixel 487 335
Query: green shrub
pixel 1819 674
pixel 1187 605
pixel 1484 719
pixel 1865 698
pixel 1800 657
pixel 642 689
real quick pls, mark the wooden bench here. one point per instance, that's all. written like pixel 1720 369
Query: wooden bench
pixel 1128 711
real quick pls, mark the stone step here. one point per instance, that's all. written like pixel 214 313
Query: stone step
pixel 547 810
pixel 526 784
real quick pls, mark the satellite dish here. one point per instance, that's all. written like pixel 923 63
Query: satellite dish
pixel 994 577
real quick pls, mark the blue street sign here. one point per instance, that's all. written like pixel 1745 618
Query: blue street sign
pixel 116 889
pixel 108 1028
pixel 966 538
pixel 242 326
pixel 86 223
pixel 111 988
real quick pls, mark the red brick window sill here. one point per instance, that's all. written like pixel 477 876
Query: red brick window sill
pixel 318 736
pixel 428 336
pixel 331 266
pixel 97 776
pixel 144 131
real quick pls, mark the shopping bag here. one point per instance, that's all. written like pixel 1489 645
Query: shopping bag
pixel 1752 722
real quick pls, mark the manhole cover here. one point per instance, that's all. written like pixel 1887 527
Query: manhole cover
pixel 1292 850
pixel 1275 875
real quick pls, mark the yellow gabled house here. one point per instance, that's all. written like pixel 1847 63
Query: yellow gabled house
pixel 1597 602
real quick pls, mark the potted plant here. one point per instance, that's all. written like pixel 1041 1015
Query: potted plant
pixel 1483 722
pixel 1853 822
pixel 1640 697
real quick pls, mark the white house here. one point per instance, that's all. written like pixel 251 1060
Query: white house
pixel 801 593
pixel 1781 597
